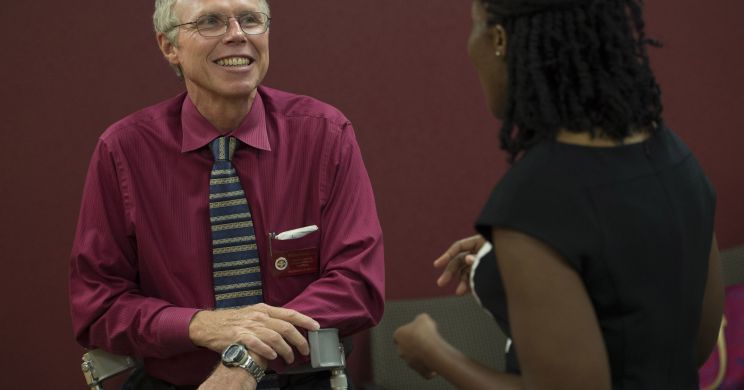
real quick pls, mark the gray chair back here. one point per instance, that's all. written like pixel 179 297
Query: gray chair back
pixel 732 261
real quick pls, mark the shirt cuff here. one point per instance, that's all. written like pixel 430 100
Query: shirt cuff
pixel 173 329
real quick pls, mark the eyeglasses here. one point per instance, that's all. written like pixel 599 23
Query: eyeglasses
pixel 214 25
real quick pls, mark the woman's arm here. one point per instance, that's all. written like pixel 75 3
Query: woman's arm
pixel 424 349
pixel 555 330
pixel 712 310
pixel 554 327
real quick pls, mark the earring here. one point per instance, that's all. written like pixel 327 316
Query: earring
pixel 498 53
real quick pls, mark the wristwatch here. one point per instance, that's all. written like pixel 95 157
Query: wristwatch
pixel 236 355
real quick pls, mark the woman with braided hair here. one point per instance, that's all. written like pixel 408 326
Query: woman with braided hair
pixel 604 268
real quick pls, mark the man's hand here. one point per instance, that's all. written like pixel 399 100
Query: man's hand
pixel 229 378
pixel 267 331
pixel 457 261
pixel 418 341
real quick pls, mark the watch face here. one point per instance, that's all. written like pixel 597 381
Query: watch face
pixel 234 353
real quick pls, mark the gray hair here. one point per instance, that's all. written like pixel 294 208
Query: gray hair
pixel 163 19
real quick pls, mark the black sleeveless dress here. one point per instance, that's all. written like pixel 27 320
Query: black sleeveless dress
pixel 636 223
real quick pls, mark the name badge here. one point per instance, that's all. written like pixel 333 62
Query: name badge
pixel 295 262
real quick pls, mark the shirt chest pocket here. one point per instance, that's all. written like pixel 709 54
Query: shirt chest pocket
pixel 293 257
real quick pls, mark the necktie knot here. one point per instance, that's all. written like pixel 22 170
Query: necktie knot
pixel 223 148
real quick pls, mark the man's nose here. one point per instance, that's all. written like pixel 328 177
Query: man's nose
pixel 234 31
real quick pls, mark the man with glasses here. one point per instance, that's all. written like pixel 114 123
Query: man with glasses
pixel 162 269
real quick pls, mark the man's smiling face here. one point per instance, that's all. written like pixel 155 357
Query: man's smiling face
pixel 228 66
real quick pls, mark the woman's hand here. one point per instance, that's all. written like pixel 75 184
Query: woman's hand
pixel 457 261
pixel 418 341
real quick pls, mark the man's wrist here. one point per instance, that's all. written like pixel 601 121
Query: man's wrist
pixel 233 375
pixel 197 329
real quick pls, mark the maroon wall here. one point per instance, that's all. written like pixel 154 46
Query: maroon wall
pixel 398 69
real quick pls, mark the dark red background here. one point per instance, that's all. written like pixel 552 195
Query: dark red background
pixel 398 69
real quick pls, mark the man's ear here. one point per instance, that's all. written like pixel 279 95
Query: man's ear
pixel 168 48
pixel 498 40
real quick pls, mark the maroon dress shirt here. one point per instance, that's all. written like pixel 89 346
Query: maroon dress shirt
pixel 141 263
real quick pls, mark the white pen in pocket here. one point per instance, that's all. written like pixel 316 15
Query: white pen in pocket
pixel 296 233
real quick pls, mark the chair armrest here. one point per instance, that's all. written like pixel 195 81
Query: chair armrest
pixel 99 365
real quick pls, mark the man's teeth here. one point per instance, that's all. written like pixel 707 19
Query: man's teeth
pixel 234 61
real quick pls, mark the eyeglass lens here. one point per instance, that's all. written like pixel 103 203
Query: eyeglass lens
pixel 212 25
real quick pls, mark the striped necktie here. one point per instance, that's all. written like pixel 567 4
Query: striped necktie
pixel 236 270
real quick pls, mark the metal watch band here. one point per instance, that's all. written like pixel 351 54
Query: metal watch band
pixel 253 368
pixel 245 361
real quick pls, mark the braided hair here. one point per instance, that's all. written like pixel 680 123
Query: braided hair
pixel 579 65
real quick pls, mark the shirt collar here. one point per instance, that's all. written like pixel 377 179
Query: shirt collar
pixel 198 132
